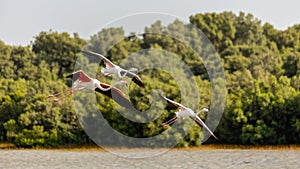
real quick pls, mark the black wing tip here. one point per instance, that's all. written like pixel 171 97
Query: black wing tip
pixel 136 79
pixel 69 76
pixel 141 84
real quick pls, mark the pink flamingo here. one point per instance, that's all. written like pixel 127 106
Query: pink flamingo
pixel 111 69
pixel 82 81
pixel 186 112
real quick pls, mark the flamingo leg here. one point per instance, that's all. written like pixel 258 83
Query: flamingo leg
pixel 171 121
pixel 52 95
pixel 74 91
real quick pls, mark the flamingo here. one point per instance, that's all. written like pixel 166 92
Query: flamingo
pixel 83 81
pixel 184 112
pixel 111 69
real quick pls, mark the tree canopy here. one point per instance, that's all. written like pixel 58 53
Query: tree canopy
pixel 261 64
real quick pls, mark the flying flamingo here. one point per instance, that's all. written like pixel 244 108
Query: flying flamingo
pixel 184 112
pixel 111 68
pixel 83 81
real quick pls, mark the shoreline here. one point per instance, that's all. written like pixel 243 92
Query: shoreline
pixel 7 146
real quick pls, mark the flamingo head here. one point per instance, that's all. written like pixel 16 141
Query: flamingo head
pixel 133 69
pixel 123 83
pixel 203 110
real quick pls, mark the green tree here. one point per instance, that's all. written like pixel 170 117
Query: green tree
pixel 59 50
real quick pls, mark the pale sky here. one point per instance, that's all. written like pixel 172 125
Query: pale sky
pixel 21 20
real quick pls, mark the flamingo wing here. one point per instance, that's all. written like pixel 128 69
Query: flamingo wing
pixel 136 79
pixel 108 63
pixel 202 124
pixel 79 75
pixel 117 95
pixel 178 105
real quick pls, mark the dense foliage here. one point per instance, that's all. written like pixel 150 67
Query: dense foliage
pixel 261 63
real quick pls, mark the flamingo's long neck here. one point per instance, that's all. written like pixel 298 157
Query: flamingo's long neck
pixel 203 110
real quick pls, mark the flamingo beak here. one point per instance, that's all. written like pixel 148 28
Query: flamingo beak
pixel 125 83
